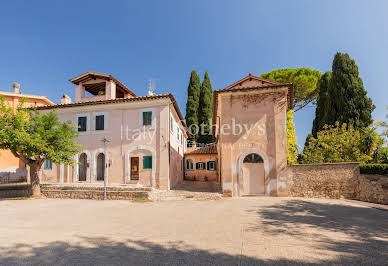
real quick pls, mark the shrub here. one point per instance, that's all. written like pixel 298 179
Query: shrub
pixel 374 169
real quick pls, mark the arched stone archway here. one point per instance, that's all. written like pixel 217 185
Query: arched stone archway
pixel 239 189
pixel 76 166
pixel 128 163
pixel 95 167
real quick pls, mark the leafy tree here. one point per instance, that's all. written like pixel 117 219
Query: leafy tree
pixel 340 144
pixel 205 112
pixel 323 103
pixel 349 102
pixel 384 125
pixel 305 83
pixel 192 104
pixel 292 148
pixel 34 137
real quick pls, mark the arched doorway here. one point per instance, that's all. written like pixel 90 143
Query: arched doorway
pixel 100 167
pixel 82 167
pixel 253 175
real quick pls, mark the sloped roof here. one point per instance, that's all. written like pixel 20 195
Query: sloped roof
pixel 265 82
pixel 92 75
pixel 208 149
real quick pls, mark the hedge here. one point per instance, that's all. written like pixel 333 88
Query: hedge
pixel 374 169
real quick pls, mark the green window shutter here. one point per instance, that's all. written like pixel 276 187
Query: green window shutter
pixel 171 125
pixel 100 122
pixel 82 123
pixel 147 162
pixel 147 118
pixel 48 164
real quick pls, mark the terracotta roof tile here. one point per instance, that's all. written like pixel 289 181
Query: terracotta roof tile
pixel 208 149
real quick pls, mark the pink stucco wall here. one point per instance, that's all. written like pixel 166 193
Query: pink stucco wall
pixel 127 137
pixel 262 113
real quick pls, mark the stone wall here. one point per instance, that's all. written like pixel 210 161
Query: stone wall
pixel 373 188
pixel 338 180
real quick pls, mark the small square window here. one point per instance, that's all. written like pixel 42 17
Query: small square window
pixel 100 122
pixel 82 124
pixel 48 164
pixel 147 118
pixel 200 166
pixel 211 165
pixel 147 162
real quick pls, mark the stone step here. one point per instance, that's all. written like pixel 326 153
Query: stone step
pixel 94 188
pixel 94 194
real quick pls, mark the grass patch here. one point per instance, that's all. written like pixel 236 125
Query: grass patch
pixel 141 200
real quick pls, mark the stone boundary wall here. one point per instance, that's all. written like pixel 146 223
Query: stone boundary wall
pixel 337 180
pixel 373 188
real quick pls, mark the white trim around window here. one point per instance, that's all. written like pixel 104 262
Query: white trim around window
pixel 153 123
pixel 106 122
pixel 87 115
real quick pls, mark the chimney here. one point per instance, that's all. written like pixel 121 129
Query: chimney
pixel 16 88
pixel 65 99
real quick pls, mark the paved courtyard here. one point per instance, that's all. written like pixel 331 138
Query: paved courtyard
pixel 245 231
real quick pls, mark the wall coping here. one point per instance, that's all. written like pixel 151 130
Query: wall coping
pixel 317 164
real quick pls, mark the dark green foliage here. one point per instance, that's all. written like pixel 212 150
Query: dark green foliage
pixel 349 102
pixel 205 112
pixel 192 105
pixel 374 169
pixel 380 155
pixel 305 83
pixel 323 103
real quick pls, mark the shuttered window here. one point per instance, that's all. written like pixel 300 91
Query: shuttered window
pixel 200 166
pixel 48 164
pixel 171 125
pixel 100 122
pixel 211 165
pixel 82 124
pixel 147 162
pixel 147 118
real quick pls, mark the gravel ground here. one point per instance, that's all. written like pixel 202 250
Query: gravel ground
pixel 229 231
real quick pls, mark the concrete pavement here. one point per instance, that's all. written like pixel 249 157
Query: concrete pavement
pixel 244 231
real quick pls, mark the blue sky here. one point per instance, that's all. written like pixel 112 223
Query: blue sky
pixel 45 43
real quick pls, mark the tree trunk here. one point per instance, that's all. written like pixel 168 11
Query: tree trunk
pixel 35 183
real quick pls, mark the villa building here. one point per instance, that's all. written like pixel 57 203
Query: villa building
pixel 142 140
pixel 127 139
pixel 12 169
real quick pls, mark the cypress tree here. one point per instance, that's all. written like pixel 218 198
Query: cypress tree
pixel 323 103
pixel 205 112
pixel 192 105
pixel 349 102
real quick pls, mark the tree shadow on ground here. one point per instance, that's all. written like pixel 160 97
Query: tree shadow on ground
pixel 359 234
pixel 102 251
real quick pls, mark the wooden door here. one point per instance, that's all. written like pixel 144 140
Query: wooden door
pixel 82 167
pixel 100 167
pixel 253 179
pixel 134 168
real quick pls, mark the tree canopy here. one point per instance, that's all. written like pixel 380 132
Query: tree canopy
pixel 35 137
pixel 192 104
pixel 205 112
pixel 349 102
pixel 323 104
pixel 341 143
pixel 305 83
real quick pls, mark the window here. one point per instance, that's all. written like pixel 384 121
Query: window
pixel 253 158
pixel 181 138
pixel 147 162
pixel 171 125
pixel 200 166
pixel 147 118
pixel 211 165
pixel 48 164
pixel 82 124
pixel 189 164
pixel 177 133
pixel 100 122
